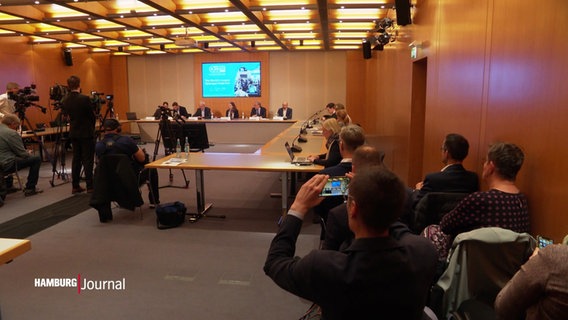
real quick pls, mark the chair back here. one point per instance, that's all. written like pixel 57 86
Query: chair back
pixel 433 207
pixel 481 262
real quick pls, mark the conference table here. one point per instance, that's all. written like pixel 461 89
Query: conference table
pixel 271 157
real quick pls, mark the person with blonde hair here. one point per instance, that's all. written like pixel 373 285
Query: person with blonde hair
pixel 330 130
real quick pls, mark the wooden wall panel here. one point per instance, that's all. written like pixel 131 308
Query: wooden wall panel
pixel 43 65
pixel 244 104
pixel 493 75
pixel 527 104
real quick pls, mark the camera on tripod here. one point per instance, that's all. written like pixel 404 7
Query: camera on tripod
pixel 57 93
pixel 24 98
pixel 97 101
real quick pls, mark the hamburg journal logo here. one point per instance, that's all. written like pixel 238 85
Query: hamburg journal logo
pixel 81 284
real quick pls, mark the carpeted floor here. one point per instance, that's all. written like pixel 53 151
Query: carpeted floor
pixel 41 219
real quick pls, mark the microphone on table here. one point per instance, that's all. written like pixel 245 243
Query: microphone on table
pixel 294 147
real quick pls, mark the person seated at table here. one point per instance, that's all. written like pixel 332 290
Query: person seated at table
pixel 179 112
pixel 382 274
pixel 258 110
pixel 330 130
pixel 285 111
pixel 502 206
pixel 14 156
pixel 343 118
pixel 164 109
pixel 232 112
pixel 115 143
pixel 330 108
pixel 539 290
pixel 350 138
pixel 203 111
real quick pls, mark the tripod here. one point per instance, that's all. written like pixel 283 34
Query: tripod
pixel 169 147
pixel 59 149
pixel 20 110
pixel 109 114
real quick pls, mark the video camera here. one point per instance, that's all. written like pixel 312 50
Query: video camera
pixel 57 93
pixel 97 101
pixel 24 98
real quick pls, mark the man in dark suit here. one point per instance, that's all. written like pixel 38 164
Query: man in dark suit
pixel 179 111
pixel 381 273
pixel 258 110
pixel 350 138
pixel 82 120
pixel 453 177
pixel 285 111
pixel 203 111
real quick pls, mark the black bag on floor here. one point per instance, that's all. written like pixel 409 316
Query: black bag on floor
pixel 170 215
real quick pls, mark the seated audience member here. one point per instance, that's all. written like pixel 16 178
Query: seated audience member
pixel 343 118
pixel 338 235
pixel 502 206
pixel 341 106
pixel 179 112
pixel 285 111
pixel 350 138
pixel 258 110
pixel 330 108
pixel 203 111
pixel 115 143
pixel 14 156
pixel 453 177
pixel 163 109
pixel 330 130
pixel 232 112
pixel 539 290
pixel 379 276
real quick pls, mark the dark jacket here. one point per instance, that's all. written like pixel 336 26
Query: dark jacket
pixel 206 113
pixel 253 112
pixel 115 180
pixel 81 115
pixel 453 179
pixel 386 277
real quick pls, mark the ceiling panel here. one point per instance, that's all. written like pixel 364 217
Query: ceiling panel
pixel 185 26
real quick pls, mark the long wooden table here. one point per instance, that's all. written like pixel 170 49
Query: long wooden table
pixel 271 157
pixel 11 248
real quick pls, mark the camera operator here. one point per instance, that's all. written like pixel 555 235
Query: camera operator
pixel 82 120
pixel 7 105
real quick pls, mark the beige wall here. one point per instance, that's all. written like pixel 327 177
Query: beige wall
pixel 307 80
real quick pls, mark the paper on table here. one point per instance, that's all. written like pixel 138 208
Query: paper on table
pixel 174 161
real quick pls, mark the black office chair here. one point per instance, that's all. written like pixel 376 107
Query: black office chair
pixel 433 207
pixel 115 181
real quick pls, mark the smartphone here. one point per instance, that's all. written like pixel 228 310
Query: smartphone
pixel 335 186
pixel 543 242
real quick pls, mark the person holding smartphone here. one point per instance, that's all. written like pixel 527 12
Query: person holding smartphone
pixel 350 138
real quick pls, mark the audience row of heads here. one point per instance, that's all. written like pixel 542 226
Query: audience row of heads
pixel 505 158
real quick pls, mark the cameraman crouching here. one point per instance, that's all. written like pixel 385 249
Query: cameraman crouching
pixel 114 143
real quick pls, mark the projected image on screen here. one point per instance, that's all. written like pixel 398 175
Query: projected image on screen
pixel 230 79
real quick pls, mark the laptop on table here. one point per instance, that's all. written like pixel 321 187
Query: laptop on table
pixel 131 116
pixel 303 161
